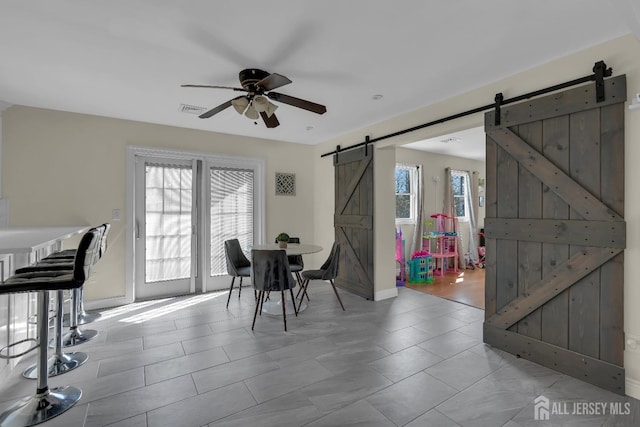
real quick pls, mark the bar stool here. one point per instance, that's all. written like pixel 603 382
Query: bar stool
pixel 77 295
pixel 63 265
pixel 47 403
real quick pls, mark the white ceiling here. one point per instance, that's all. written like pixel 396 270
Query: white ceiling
pixel 469 143
pixel 127 59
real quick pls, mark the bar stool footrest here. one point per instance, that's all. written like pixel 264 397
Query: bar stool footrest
pixel 13 356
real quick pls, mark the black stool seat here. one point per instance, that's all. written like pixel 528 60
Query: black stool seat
pixel 48 403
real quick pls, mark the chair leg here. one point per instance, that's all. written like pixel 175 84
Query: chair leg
pixel 284 310
pixel 76 336
pixel 293 301
pixel 304 290
pixel 300 281
pixel 260 295
pixel 240 288
pixel 336 292
pixel 233 279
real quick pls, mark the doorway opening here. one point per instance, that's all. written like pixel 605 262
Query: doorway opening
pixel 445 161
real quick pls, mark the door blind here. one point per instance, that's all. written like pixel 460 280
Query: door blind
pixel 168 222
pixel 231 212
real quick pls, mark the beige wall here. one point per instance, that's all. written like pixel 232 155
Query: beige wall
pixel 66 169
pixel 623 55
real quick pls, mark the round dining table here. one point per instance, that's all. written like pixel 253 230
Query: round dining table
pixel 275 307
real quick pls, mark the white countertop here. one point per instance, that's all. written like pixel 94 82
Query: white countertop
pixel 28 239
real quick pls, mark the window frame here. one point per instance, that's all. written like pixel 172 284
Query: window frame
pixel 413 181
pixel 465 190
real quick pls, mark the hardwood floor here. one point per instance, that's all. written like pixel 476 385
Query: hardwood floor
pixel 466 287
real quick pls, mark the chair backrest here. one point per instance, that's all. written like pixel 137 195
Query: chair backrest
pixel 270 271
pixel 330 266
pixel 295 259
pixel 103 239
pixel 86 254
pixel 234 256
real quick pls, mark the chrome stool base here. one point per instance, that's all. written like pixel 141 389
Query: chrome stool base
pixel 40 408
pixel 76 337
pixel 83 318
pixel 57 365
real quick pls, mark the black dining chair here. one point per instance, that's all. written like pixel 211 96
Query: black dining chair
pixel 237 264
pixel 328 271
pixel 270 272
pixel 295 261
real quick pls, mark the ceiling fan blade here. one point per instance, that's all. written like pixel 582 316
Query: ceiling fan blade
pixel 217 87
pixel 273 81
pixel 297 102
pixel 271 122
pixel 216 110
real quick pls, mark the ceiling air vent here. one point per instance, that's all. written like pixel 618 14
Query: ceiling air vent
pixel 450 140
pixel 191 109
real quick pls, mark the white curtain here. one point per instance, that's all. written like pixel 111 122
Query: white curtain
pixel 449 209
pixel 471 201
pixel 471 194
pixel 416 242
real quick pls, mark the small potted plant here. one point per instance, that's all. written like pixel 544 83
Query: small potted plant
pixel 282 240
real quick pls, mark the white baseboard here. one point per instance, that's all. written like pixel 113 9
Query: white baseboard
pixel 385 294
pixel 632 388
pixel 105 303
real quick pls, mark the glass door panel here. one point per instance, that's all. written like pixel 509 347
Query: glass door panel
pixel 165 212
pixel 231 216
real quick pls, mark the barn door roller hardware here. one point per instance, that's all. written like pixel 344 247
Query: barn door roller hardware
pixel 499 98
pixel 600 71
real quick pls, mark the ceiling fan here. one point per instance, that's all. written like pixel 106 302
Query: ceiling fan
pixel 258 84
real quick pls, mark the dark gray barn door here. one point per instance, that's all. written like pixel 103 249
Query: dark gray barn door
pixel 353 220
pixel 555 232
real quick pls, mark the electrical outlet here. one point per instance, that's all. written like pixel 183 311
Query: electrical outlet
pixel 115 215
pixel 435 178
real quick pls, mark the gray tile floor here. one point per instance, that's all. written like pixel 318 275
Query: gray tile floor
pixel 415 360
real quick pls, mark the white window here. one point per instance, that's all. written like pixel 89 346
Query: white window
pixel 459 188
pixel 406 180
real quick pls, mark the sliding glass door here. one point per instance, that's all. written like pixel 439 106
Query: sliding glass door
pixel 186 206
pixel 165 228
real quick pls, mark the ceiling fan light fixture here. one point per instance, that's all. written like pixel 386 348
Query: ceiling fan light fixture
pixel 271 108
pixel 251 112
pixel 260 103
pixel 240 104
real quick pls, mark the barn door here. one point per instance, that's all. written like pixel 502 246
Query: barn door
pixel 556 233
pixel 353 220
